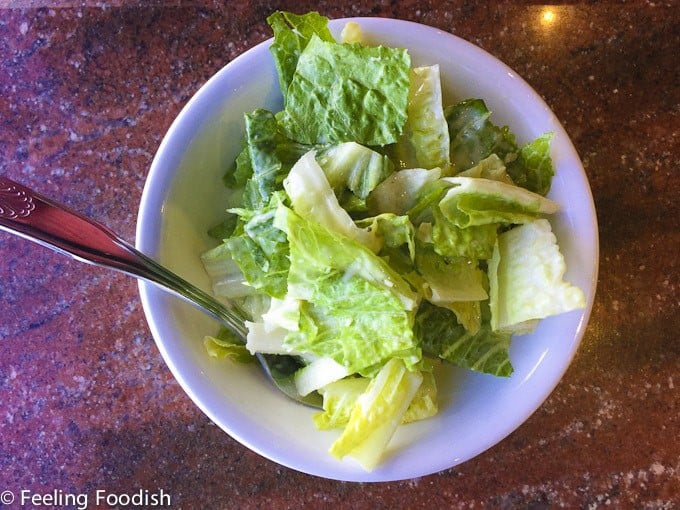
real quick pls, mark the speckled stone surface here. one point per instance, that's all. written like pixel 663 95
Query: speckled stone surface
pixel 87 91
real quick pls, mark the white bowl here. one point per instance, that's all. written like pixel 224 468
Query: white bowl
pixel 183 197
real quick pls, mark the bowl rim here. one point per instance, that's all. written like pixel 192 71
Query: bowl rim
pixel 157 187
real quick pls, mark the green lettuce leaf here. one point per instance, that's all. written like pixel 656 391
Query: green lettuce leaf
pixel 533 169
pixel 449 279
pixel 377 414
pixel 313 198
pixel 526 278
pixel 491 168
pixel 319 250
pixel 354 167
pixel 262 138
pixel 472 201
pixel 450 240
pixel 401 191
pixel 394 232
pixel 225 345
pixel 261 250
pixel 456 283
pixel 292 33
pixel 352 33
pixel 339 398
pixel 441 335
pixel 317 374
pixel 474 137
pixel 425 142
pixel 347 92
pixel 355 309
pixel 227 279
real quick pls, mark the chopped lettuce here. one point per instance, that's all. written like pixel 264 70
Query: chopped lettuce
pixel 450 240
pixel 377 413
pixel 224 345
pixel 317 374
pixel 425 142
pixel 315 249
pixel 525 277
pixel 474 138
pixel 356 309
pixel 347 92
pixel 228 281
pixel 449 279
pixel 533 169
pixel 313 198
pixel 339 398
pixel 441 335
pixel 491 168
pixel 261 250
pixel 292 33
pixel 379 232
pixel 354 167
pixel 483 201
pixel 393 232
pixel 262 135
pixel 400 192
pixel 352 33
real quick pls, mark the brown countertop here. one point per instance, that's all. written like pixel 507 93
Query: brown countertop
pixel 86 402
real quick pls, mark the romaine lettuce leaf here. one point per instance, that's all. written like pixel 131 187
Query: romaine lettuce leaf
pixel 225 275
pixel 265 339
pixel 347 92
pixel 394 232
pixel 425 142
pixel 424 403
pixel 318 251
pixel 456 283
pixel 317 374
pixel 292 33
pixel 354 308
pixel 474 201
pixel 354 167
pixel 474 137
pixel 450 240
pixel 400 192
pixel 526 278
pixel 533 169
pixel 225 345
pixel 377 413
pixel 339 398
pixel 352 33
pixel 491 168
pixel 261 141
pixel 355 323
pixel 261 250
pixel 426 200
pixel 313 198
pixel 441 335
pixel 449 279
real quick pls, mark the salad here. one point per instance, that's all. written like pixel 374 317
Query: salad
pixel 376 232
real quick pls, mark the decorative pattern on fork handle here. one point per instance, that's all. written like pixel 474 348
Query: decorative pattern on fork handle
pixel 15 202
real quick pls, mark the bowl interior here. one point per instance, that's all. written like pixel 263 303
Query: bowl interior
pixel 183 198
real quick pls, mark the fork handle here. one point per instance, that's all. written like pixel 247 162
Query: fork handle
pixel 35 217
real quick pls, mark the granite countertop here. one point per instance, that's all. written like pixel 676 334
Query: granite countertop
pixel 87 92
